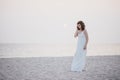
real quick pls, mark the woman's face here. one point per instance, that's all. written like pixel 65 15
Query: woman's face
pixel 79 26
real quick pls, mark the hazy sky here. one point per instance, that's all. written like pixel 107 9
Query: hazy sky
pixel 54 21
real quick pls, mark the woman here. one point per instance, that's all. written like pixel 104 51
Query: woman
pixel 78 63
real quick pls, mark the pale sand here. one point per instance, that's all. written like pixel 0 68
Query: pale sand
pixel 52 62
pixel 58 68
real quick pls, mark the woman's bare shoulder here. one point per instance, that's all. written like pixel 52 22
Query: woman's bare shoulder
pixel 85 30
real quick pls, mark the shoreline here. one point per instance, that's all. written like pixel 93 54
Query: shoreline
pixel 52 50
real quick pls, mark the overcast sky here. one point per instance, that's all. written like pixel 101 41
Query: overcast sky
pixel 54 21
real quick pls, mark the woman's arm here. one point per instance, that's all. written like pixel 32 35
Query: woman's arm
pixel 76 33
pixel 87 38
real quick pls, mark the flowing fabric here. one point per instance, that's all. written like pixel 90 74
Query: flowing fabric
pixel 79 59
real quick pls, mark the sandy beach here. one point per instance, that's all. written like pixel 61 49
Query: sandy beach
pixel 58 68
pixel 52 62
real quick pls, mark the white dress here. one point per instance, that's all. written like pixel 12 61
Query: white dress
pixel 78 62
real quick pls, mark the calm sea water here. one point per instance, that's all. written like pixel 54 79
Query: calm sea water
pixel 55 50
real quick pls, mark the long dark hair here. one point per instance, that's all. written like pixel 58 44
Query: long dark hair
pixel 82 25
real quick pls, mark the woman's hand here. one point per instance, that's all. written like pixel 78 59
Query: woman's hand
pixel 85 47
pixel 86 36
pixel 76 33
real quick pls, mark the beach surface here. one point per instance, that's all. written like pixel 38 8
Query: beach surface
pixel 58 68
pixel 53 62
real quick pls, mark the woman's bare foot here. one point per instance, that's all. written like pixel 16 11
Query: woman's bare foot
pixel 83 70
